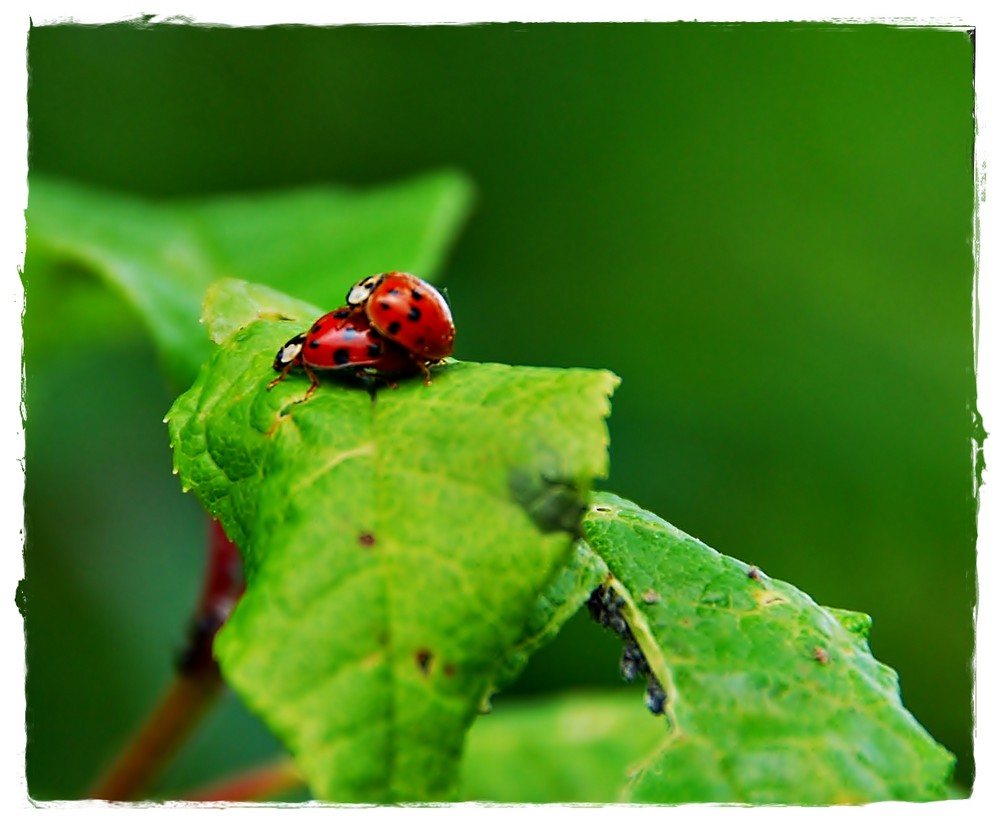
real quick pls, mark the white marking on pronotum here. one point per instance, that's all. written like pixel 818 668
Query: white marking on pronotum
pixel 290 350
pixel 361 291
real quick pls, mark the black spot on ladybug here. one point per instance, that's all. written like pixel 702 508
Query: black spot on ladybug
pixel 315 329
pixel 374 349
pixel 314 343
pixel 414 314
pixel 343 314
pixel 424 658
pixel 417 295
pixel 393 328
pixel 341 356
pixel 384 305
pixel 367 540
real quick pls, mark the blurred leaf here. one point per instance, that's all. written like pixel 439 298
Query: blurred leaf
pixel 162 256
pixel 233 304
pixel 316 242
pixel 571 748
pixel 770 697
pixel 396 546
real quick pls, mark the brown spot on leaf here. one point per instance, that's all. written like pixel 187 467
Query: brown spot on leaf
pixel 424 658
pixel 367 540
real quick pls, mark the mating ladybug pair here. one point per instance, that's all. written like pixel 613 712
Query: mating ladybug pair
pixel 393 324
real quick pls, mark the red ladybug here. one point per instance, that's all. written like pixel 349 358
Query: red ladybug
pixel 341 340
pixel 408 311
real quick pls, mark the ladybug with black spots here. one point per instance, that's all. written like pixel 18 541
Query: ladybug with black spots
pixel 343 340
pixel 408 311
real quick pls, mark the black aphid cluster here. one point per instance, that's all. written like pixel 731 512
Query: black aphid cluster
pixel 605 608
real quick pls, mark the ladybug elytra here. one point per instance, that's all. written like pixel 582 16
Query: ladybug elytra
pixel 408 311
pixel 342 340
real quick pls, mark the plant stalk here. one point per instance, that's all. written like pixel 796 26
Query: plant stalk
pixel 194 689
pixel 253 785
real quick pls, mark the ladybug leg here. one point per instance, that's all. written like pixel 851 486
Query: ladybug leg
pixel 281 376
pixel 425 370
pixel 313 381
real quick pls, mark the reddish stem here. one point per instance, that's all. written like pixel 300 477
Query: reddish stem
pixel 222 589
pixel 195 687
pixel 170 722
pixel 258 784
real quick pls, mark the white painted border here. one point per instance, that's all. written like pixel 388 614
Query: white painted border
pixel 13 50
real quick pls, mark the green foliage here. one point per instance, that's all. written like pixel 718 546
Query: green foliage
pixel 799 373
pixel 397 546
pixel 407 549
pixel 771 698
pixel 163 256
pixel 571 748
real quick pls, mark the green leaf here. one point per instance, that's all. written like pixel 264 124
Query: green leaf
pixel 396 546
pixel 771 698
pixel 162 256
pixel 569 748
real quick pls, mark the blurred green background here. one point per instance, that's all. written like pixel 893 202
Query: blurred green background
pixel 764 229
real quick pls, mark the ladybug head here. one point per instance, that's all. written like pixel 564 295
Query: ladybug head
pixel 362 290
pixel 289 352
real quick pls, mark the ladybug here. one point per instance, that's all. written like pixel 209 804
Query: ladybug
pixel 342 340
pixel 408 311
